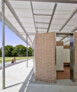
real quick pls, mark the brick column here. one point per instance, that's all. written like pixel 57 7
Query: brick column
pixel 45 57
pixel 75 56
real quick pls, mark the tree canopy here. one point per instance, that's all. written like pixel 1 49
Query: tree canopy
pixel 18 50
pixel 8 50
pixel 21 50
pixel 14 52
pixel 29 51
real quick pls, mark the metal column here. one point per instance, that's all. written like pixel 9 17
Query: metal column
pixel 3 44
pixel 72 57
pixel 27 49
pixel 32 50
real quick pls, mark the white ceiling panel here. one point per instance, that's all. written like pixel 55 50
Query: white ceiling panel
pixel 62 13
pixel 43 5
pixel 67 43
pixel 58 38
pixel 42 30
pixel 12 19
pixel 66 39
pixel 38 18
pixel 42 25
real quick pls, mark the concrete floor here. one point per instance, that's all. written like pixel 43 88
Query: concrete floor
pixel 17 77
pixel 65 85
pixel 18 80
pixel 50 88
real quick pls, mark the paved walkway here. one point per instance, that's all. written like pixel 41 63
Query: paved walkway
pixel 8 64
pixel 17 77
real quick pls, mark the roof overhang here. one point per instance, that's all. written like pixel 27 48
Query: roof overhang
pixel 29 17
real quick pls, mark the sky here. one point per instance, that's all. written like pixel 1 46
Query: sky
pixel 10 37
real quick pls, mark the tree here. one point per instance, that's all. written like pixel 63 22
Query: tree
pixel 21 50
pixel 14 52
pixel 8 50
pixel 29 51
pixel 0 52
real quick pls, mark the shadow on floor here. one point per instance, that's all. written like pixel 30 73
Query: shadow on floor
pixel 26 82
pixel 14 85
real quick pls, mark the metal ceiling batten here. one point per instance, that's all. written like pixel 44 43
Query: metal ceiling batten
pixel 67 41
pixel 74 29
pixel 71 31
pixel 54 9
pixel 58 1
pixel 33 17
pixel 74 12
pixel 9 24
pixel 42 14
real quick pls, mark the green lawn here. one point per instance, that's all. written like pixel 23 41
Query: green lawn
pixel 7 59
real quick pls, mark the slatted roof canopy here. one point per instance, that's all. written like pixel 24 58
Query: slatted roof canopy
pixel 31 17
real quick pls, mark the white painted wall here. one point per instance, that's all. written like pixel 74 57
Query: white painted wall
pixel 59 58
pixel 62 55
pixel 66 55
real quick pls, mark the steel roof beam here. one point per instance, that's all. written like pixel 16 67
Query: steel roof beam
pixel 58 1
pixel 54 9
pixel 33 17
pixel 64 33
pixel 16 17
pixel 63 38
pixel 30 33
pixel 74 29
pixel 59 35
pixel 9 24
pixel 67 41
pixel 41 22
pixel 42 14
pixel 71 31
pixel 41 28
pixel 73 13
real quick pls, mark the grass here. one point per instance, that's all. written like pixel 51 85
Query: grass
pixel 8 59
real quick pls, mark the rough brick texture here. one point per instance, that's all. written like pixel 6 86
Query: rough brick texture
pixel 75 54
pixel 45 57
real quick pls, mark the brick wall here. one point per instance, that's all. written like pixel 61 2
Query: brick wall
pixel 45 57
pixel 75 49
